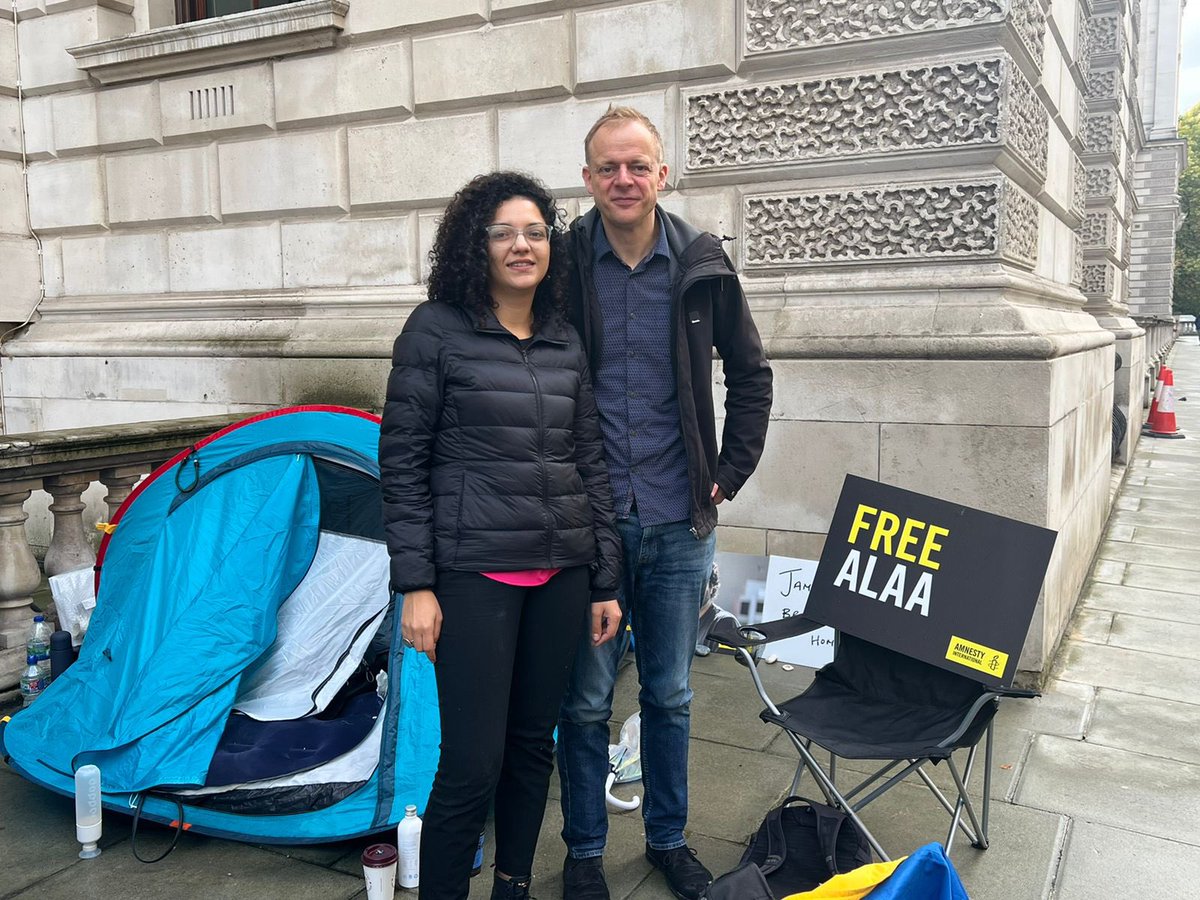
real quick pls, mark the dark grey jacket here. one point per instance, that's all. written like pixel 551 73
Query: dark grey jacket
pixel 709 310
pixel 491 457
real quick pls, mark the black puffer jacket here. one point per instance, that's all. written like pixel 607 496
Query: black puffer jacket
pixel 491 457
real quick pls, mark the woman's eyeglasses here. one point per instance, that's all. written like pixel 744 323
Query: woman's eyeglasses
pixel 506 234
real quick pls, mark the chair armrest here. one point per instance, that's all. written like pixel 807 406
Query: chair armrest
pixel 1018 693
pixel 984 700
pixel 725 630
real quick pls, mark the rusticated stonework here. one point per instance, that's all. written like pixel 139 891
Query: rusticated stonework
pixel 1100 133
pixel 1018 225
pixel 776 25
pixel 1078 186
pixel 1098 231
pixel 1029 21
pixel 1083 49
pixel 1026 125
pixel 1101 183
pixel 786 24
pixel 1098 280
pixel 1103 35
pixel 951 105
pixel 987 219
pixel 1102 84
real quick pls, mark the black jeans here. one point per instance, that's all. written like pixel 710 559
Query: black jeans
pixel 503 659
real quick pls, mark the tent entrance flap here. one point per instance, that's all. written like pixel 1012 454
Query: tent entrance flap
pixel 209 597
pixel 324 629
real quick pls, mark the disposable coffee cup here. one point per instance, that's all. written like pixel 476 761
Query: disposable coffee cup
pixel 379 869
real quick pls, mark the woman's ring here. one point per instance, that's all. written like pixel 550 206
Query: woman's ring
pixel 408 641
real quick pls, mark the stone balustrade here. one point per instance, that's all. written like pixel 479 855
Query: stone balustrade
pixel 1161 331
pixel 64 464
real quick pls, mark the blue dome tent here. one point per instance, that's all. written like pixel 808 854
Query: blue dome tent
pixel 241 676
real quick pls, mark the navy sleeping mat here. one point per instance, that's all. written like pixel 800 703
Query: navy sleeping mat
pixel 250 750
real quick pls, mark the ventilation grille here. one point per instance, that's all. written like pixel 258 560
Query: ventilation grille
pixel 211 103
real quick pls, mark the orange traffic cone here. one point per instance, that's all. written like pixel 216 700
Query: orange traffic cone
pixel 1153 402
pixel 1162 421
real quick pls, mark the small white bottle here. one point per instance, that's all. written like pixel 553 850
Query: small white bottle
pixel 408 843
pixel 88 811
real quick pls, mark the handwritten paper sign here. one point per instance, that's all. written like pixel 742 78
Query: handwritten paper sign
pixel 788 583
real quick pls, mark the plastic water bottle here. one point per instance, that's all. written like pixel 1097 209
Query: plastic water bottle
pixel 408 842
pixel 32 680
pixel 38 644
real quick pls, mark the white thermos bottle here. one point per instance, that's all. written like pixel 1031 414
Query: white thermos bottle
pixel 408 842
pixel 88 811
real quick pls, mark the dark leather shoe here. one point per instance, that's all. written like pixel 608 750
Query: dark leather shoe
pixel 511 889
pixel 583 879
pixel 686 876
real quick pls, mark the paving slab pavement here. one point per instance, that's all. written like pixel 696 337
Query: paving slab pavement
pixel 1100 861
pixel 1094 791
pixel 1169 605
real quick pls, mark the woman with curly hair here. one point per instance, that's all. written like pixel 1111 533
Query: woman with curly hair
pixel 499 518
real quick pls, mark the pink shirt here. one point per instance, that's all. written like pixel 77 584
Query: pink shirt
pixel 524 578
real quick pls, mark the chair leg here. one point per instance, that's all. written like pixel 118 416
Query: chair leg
pixel 795 787
pixel 936 791
pixel 978 838
pixel 987 782
pixel 953 809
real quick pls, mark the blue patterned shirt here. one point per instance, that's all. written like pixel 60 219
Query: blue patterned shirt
pixel 635 385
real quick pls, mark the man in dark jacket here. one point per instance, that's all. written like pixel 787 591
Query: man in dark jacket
pixel 652 296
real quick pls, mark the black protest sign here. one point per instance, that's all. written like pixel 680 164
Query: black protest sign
pixel 940 582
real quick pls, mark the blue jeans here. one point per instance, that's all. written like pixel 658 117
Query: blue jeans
pixel 666 568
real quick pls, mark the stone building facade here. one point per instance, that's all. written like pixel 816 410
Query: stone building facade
pixel 932 204
pixel 1160 159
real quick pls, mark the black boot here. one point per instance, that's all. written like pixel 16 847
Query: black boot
pixel 515 888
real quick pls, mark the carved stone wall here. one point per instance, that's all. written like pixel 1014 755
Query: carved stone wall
pixel 1104 35
pixel 1105 84
pixel 1083 60
pixel 891 222
pixel 1109 132
pixel 778 25
pixel 1079 185
pixel 1102 183
pixel 1098 280
pixel 1099 231
pixel 1101 133
pixel 960 104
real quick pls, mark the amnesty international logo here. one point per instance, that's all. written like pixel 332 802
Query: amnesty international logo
pixel 977 656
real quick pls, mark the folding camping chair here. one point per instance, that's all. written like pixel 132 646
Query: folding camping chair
pixel 872 703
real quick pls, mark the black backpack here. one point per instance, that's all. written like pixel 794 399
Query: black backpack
pixel 799 845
